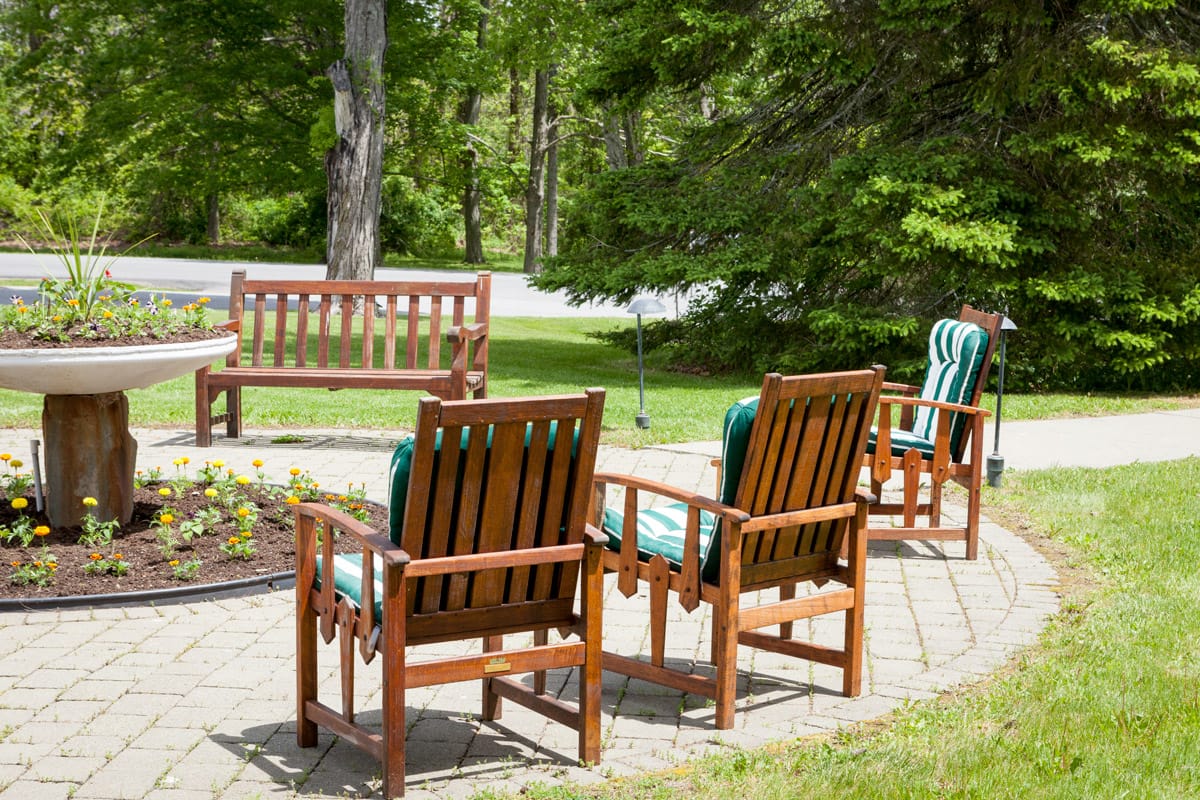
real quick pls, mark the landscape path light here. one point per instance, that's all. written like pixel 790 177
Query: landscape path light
pixel 643 305
pixel 995 462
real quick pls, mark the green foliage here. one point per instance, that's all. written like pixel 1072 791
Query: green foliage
pixel 417 223
pixel 904 159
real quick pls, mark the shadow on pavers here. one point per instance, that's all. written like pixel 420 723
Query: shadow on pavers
pixel 336 768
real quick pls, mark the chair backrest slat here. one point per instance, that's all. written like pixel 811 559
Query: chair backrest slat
pixel 806 445
pixel 502 475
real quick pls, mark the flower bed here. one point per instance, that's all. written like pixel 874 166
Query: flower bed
pixel 209 525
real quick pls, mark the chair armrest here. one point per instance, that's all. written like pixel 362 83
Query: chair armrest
pixel 229 325
pixel 365 535
pixel 917 401
pixel 594 536
pixel 902 388
pixel 670 492
pixel 467 333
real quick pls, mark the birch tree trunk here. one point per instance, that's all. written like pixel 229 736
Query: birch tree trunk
pixel 552 180
pixel 469 115
pixel 535 192
pixel 354 166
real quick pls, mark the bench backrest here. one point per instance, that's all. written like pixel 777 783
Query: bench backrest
pixel 414 317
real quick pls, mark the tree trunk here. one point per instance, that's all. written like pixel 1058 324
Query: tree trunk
pixel 614 143
pixel 535 192
pixel 469 116
pixel 552 180
pixel 354 166
pixel 213 230
pixel 514 115
pixel 633 147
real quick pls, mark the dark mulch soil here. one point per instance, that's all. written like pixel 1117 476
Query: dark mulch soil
pixel 273 538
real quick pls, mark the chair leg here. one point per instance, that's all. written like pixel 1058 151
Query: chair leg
pixel 394 723
pixel 973 500
pixel 786 592
pixel 659 580
pixel 912 485
pixel 591 610
pixel 540 639
pixel 725 632
pixel 306 674
pixel 492 707
pixel 853 642
pixel 203 409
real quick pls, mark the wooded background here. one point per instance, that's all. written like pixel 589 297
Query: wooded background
pixel 825 178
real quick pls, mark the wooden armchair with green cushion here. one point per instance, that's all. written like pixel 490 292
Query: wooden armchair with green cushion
pixel 489 537
pixel 938 421
pixel 788 500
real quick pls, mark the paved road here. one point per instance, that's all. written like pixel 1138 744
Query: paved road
pixel 511 294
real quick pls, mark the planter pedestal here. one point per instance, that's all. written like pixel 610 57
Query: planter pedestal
pixel 89 453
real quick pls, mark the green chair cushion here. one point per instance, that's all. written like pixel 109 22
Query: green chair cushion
pixel 956 351
pixel 347 579
pixel 661 530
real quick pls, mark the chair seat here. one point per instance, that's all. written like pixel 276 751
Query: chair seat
pixel 661 531
pixel 902 442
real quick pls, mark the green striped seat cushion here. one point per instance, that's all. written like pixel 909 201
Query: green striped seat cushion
pixel 956 351
pixel 347 579
pixel 661 531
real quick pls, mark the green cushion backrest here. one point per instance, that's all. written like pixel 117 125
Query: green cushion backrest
pixel 401 471
pixel 956 351
pixel 735 439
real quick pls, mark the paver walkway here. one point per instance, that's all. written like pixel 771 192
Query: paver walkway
pixel 194 701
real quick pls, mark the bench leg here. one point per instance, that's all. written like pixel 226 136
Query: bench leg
pixel 233 408
pixel 203 410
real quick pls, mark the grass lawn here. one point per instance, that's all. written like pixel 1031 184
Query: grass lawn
pixel 542 356
pixel 1107 706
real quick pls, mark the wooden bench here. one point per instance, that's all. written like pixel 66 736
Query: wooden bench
pixel 332 347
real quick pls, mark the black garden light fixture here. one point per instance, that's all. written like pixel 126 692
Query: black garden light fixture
pixel 640 306
pixel 995 462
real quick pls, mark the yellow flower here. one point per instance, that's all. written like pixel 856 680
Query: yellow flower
pixel 258 462
pixel 90 502
pixel 166 301
pixel 204 300
pixel 107 314
pixel 316 485
pixel 16 463
pixel 242 480
pixel 342 498
pixel 186 460
pixel 178 462
pixel 5 456
pixel 56 318
pixel 53 565
pixel 294 471
pixel 22 310
pixel 73 302
pixel 166 519
pixel 165 491
pixel 234 540
pixel 247 535
pixel 243 512
pixel 174 562
pixel 210 493
pixel 117 556
pixel 41 530
pixel 19 503
pixel 37 563
pixel 218 464
pixel 293 500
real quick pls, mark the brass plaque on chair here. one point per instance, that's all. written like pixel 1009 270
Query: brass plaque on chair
pixel 497 665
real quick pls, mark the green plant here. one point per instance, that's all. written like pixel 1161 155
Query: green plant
pixel 97 534
pixel 164 532
pixel 114 564
pixel 239 546
pixel 184 570
pixel 36 573
pixel 13 482
pixel 23 530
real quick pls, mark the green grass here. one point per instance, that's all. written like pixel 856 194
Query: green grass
pixel 1107 706
pixel 541 356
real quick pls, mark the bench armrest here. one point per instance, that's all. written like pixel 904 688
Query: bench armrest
pixel 467 333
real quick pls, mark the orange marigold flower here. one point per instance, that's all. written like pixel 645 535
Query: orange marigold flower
pixel 293 500
pixel 107 314
pixel 294 471
pixel 14 563
pixel 166 519
pixel 95 556
pixel 204 300
pixel 73 302
pixel 234 540
pixel 5 456
pixel 258 462
pixel 186 460
pixel 117 556
pixel 243 512
pixel 166 301
pixel 174 562
pixel 53 565
pixel 41 530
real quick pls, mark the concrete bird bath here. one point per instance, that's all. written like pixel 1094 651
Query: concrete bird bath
pixel 89 450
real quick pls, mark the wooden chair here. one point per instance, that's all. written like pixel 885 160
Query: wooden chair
pixel 490 538
pixel 938 420
pixel 787 501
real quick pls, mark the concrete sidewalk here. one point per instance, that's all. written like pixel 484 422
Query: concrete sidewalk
pixel 196 700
